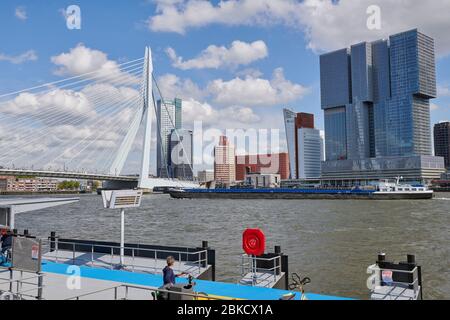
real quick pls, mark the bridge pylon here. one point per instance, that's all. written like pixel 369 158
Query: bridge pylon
pixel 144 116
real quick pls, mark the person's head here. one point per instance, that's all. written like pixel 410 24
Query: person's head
pixel 4 231
pixel 170 261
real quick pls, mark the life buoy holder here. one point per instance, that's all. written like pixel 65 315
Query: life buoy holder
pixel 254 242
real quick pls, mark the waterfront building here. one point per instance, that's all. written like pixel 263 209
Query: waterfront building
pixel 205 176
pixel 181 154
pixel 276 163
pixel 4 183
pixel 305 145
pixel 442 141
pixel 17 184
pixel 376 102
pixel 258 180
pixel 445 176
pixel 168 118
pixel 224 162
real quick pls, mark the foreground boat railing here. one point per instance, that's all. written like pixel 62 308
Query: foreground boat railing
pixel 383 286
pixel 252 265
pixel 127 288
pixel 54 253
pixel 15 287
pixel 413 272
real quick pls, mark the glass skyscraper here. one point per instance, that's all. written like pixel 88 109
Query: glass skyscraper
pixel 169 118
pixel 181 154
pixel 376 101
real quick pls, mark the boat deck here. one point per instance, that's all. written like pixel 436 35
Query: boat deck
pixel 99 283
pixel 261 279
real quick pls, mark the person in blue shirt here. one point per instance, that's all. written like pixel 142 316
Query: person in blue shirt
pixel 6 240
pixel 6 244
pixel 169 275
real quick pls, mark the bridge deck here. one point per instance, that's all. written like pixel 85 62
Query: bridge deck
pixel 67 175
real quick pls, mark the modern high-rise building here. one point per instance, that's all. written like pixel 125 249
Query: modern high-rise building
pixel 168 117
pixel 181 154
pixel 442 142
pixel 224 162
pixel 376 101
pixel 276 163
pixel 305 145
pixel 205 176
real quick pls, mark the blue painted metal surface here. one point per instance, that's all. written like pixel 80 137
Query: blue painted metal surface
pixel 210 287
pixel 287 191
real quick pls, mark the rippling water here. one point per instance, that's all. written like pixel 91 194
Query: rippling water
pixel 332 242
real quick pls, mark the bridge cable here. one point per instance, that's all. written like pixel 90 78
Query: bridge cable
pixel 60 81
pixel 76 120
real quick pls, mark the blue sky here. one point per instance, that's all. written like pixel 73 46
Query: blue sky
pixel 294 34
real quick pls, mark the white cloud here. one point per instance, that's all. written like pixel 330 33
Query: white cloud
pixel 234 116
pixel 172 86
pixel 82 60
pixel 257 91
pixel 443 91
pixel 59 102
pixel 181 15
pixel 21 13
pixel 195 110
pixel 434 107
pixel 326 24
pixel 249 72
pixel 29 55
pixel 60 106
pixel 249 91
pixel 215 57
pixel 108 92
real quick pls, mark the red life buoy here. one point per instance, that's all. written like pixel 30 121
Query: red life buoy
pixel 254 242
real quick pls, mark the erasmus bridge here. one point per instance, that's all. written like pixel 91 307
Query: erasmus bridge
pixel 86 127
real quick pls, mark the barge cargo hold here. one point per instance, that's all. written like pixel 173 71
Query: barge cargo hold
pixel 296 194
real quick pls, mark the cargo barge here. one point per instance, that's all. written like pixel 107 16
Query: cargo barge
pixel 383 192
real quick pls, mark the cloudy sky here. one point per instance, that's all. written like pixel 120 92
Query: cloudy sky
pixel 236 63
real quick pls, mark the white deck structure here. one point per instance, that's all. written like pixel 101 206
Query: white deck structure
pixel 10 207
pixel 268 276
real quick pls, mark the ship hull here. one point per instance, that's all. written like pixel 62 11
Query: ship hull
pixel 255 195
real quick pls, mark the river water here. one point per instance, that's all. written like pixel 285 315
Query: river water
pixel 332 242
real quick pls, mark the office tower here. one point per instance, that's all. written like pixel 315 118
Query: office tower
pixel 442 142
pixel 224 162
pixel 376 102
pixel 205 176
pixel 276 163
pixel 181 154
pixel 168 117
pixel 304 145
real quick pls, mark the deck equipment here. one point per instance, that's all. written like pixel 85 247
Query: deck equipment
pixel 122 199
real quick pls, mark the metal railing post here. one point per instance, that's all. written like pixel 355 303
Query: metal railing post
pixel 92 255
pixel 40 285
pixel 57 248
pixel 275 269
